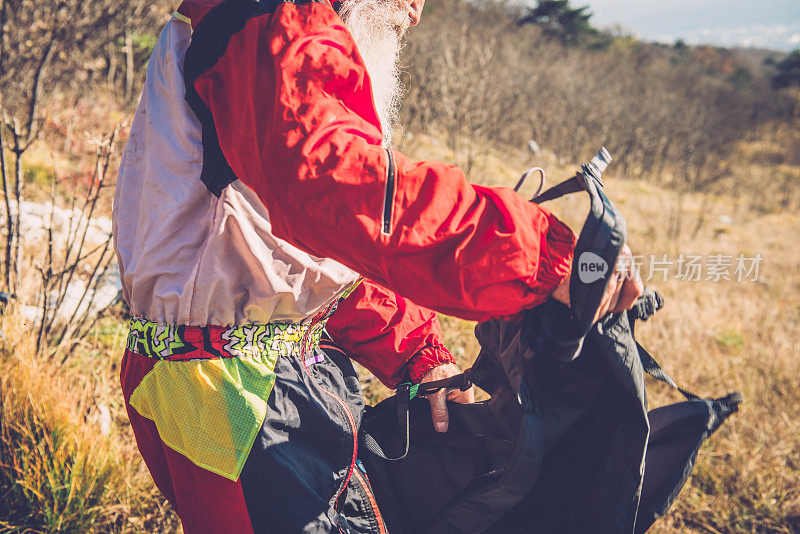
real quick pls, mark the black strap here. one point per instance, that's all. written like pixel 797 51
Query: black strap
pixel 572 185
pixel 650 302
pixel 463 441
pixel 728 405
pixel 462 381
pixel 406 392
pixel 646 305
pixel 653 369
pixel 403 396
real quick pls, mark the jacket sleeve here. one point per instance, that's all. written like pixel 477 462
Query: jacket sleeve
pixel 389 335
pixel 286 107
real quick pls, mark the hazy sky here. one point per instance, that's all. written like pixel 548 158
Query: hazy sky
pixel 761 23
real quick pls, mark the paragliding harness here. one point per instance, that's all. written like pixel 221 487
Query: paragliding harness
pixel 565 443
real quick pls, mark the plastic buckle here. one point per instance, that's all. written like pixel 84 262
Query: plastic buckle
pixel 408 390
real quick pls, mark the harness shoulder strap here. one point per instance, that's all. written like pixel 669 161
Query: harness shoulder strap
pixel 645 306
pixel 653 369
pixel 572 185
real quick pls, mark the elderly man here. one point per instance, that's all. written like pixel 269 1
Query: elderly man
pixel 257 193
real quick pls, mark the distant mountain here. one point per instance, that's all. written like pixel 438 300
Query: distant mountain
pixel 740 23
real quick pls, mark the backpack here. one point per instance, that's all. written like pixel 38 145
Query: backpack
pixel 566 442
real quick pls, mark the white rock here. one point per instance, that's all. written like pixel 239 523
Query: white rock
pixel 34 222
pixel 104 419
pixel 99 299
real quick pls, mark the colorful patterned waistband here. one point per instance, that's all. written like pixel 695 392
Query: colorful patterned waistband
pixel 182 343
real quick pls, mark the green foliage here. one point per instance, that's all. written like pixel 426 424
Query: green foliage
pixel 57 485
pixel 58 472
pixel 560 20
pixel 51 479
pixel 143 44
pixel 627 44
pixel 741 78
pixel 788 74
pixel 479 73
pixel 144 41
pixel 37 175
pixel 730 338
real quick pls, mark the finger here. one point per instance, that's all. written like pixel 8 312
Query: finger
pixel 605 302
pixel 628 291
pixel 631 290
pixel 623 271
pixel 614 297
pixel 625 258
pixel 464 397
pixel 439 415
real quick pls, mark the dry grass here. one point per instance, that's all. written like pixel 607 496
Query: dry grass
pixel 716 337
pixel 67 462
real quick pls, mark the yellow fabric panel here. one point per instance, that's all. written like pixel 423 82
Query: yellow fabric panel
pixel 181 17
pixel 208 410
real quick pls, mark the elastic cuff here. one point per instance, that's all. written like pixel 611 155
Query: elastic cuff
pixel 555 261
pixel 426 359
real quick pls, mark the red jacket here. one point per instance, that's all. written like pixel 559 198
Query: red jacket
pixel 285 106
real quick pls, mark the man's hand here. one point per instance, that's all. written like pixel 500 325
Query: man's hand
pixel 624 287
pixel 439 398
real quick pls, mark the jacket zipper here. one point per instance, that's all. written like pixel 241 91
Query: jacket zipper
pixel 364 482
pixel 388 197
pixel 353 432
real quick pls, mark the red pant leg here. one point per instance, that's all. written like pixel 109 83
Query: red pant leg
pixel 207 503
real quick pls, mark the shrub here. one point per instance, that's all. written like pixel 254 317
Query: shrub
pixel 58 472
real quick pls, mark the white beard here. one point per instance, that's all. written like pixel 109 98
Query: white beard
pixel 377 27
